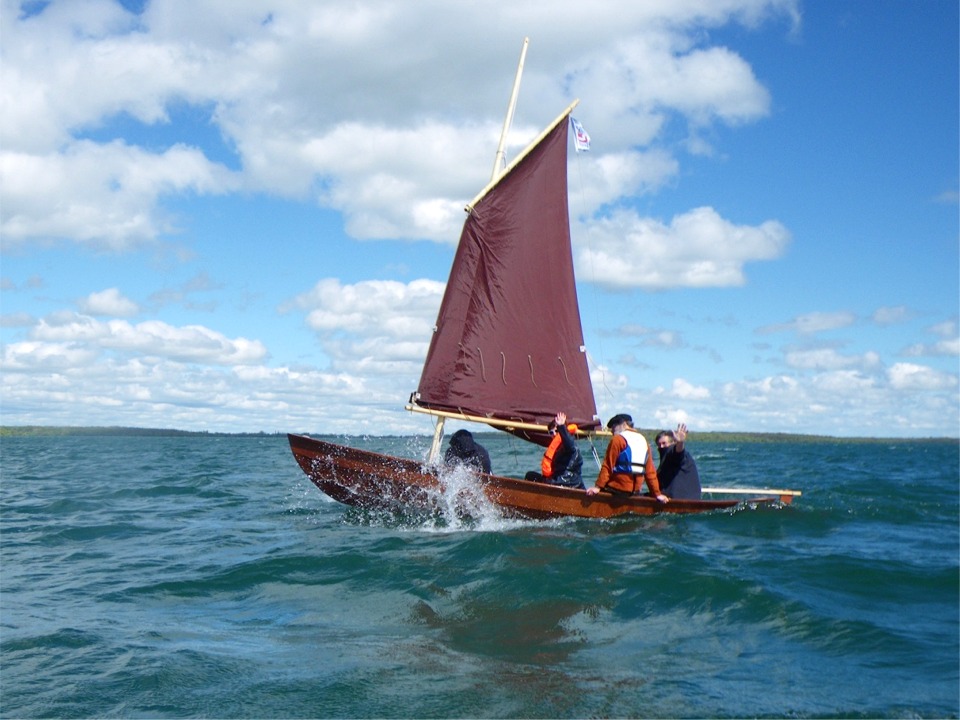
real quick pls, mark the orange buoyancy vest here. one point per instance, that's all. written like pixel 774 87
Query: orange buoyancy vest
pixel 546 464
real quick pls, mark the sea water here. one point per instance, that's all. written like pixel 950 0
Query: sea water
pixel 207 577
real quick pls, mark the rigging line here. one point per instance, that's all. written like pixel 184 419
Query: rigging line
pixel 532 378
pixel 596 455
pixel 514 445
pixel 593 290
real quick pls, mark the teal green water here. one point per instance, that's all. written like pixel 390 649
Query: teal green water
pixel 206 577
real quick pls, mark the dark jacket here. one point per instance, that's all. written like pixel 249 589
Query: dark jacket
pixel 464 450
pixel 679 477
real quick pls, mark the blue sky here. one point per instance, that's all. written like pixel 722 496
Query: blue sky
pixel 240 216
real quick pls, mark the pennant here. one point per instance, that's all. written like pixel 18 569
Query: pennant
pixel 581 141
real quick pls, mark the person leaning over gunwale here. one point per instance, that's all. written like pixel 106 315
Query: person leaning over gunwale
pixel 464 450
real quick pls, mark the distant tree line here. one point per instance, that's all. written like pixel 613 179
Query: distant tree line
pixel 650 434
pixel 52 430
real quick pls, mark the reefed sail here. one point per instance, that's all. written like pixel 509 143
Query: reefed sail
pixel 508 343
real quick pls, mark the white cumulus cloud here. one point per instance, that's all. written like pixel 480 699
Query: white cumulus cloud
pixel 279 85
pixel 812 323
pixel 152 338
pixel 109 302
pixel 373 307
pixel 697 249
pixel 909 376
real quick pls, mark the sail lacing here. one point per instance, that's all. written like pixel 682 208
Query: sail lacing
pixel 532 378
pixel 564 366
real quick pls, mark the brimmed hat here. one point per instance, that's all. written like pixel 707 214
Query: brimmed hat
pixel 619 420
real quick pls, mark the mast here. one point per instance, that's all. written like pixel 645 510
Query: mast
pixel 499 161
pixel 498 165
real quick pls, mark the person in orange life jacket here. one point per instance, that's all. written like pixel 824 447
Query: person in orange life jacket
pixel 677 472
pixel 627 458
pixel 562 462
pixel 464 450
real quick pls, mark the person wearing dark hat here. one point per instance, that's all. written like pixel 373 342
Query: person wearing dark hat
pixel 464 450
pixel 627 463
pixel 562 462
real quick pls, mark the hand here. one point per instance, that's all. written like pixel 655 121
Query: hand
pixel 663 498
pixel 593 490
pixel 561 419
pixel 681 433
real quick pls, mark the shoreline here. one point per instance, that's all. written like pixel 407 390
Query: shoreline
pixel 704 436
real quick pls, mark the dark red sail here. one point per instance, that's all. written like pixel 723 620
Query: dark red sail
pixel 508 342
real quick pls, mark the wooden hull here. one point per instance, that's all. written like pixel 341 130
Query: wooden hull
pixel 370 480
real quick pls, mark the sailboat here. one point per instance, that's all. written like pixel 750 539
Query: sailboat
pixel 507 351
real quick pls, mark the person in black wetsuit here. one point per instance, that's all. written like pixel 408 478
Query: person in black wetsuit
pixel 464 450
pixel 679 477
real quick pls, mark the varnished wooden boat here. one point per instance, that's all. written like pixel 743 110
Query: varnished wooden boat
pixel 504 353
pixel 383 482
